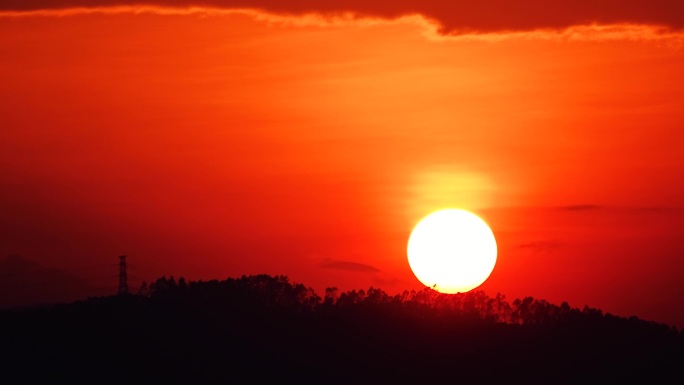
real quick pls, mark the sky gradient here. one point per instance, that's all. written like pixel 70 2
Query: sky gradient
pixel 245 137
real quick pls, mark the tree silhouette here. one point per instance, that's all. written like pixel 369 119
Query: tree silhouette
pixel 262 328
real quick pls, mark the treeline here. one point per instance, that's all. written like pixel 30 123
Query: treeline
pixel 278 292
pixel 265 329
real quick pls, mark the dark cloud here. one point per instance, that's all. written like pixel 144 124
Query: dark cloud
pixel 349 266
pixel 454 16
pixel 587 207
pixel 580 207
pixel 660 209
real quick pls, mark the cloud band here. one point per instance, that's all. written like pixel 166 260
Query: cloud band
pixel 454 17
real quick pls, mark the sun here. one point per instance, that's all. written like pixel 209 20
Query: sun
pixel 452 251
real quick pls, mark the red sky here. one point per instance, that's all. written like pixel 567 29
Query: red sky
pixel 212 143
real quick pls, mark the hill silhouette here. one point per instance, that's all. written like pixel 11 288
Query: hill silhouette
pixel 261 328
pixel 24 283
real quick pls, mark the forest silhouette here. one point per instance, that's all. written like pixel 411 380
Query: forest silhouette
pixel 266 329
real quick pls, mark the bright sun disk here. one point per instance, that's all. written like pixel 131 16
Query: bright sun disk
pixel 452 251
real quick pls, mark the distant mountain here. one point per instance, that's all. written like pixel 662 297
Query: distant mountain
pixel 26 283
pixel 264 329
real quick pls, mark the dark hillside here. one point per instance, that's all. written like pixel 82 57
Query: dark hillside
pixel 262 328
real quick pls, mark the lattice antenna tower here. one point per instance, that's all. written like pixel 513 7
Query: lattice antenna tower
pixel 123 276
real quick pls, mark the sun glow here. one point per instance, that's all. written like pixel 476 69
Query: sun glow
pixel 452 251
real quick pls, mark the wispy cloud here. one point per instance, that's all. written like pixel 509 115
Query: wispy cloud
pixel 580 207
pixel 541 246
pixel 349 266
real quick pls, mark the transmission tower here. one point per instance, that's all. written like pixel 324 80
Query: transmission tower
pixel 123 276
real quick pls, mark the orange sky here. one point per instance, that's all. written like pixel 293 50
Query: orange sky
pixel 215 143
